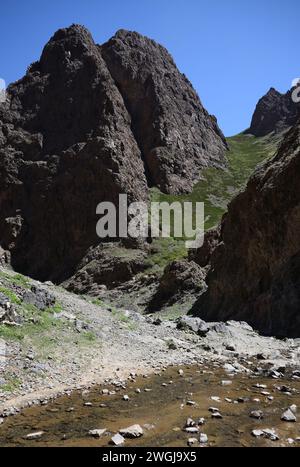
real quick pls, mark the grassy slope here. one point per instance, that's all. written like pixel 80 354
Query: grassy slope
pixel 216 189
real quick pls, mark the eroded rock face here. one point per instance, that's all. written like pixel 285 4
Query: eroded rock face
pixel 274 112
pixel 255 268
pixel 75 131
pixel 176 135
pixel 178 279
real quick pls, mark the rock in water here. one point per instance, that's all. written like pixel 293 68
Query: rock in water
pixel 117 440
pixel 115 118
pixel 255 268
pixel 289 416
pixel 97 433
pixel 134 431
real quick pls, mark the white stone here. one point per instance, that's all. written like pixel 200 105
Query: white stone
pixel 134 431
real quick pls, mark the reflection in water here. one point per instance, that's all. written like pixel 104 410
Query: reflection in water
pixel 163 412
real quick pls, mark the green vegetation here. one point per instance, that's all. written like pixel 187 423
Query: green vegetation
pixel 17 279
pixel 216 189
pixel 10 295
pixel 12 384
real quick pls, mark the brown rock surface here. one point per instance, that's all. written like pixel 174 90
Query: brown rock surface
pixel 255 269
pixel 73 133
pixel 274 112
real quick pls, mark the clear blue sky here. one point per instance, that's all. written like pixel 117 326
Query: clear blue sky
pixel 233 51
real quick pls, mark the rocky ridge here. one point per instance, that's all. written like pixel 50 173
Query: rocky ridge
pixel 86 123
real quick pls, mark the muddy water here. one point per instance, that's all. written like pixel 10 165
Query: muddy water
pixel 67 420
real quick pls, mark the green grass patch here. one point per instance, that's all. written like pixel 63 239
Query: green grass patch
pixel 12 384
pixel 13 298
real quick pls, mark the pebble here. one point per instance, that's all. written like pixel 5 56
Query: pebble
pixel 88 404
pixel 117 440
pixel 289 416
pixel 216 415
pixel 258 414
pixel 201 421
pixel 191 429
pixel 36 435
pixel 1 421
pixel 215 399
pixel 189 422
pixel 213 409
pixel 133 431
pixel 97 433
pixel 180 372
pixel 203 438
pixel 147 390
pixel 105 392
pixel 190 403
pixel 267 433
pixel 192 441
pixel 226 382
pixel 126 397
pixel 138 391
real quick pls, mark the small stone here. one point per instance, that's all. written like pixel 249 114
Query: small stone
pixel 290 441
pixel 102 406
pixel 265 393
pixel 105 392
pixel 230 347
pixel 191 429
pixel 138 391
pixel 147 390
pixel 226 382
pixel 70 409
pixel 200 421
pixel 203 438
pixel 97 433
pixel 126 397
pixel 227 399
pixel 191 403
pixel 1 421
pixel 164 384
pixel 260 386
pixel 215 399
pixel 213 409
pixel 192 441
pixel 134 431
pixel 257 433
pixel 88 404
pixel 36 435
pixel 288 416
pixel 258 414
pixel 216 415
pixel 189 422
pixel 117 440
pixel 180 372
pixel 271 434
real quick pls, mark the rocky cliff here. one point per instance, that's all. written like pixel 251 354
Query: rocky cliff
pixel 255 263
pixel 84 124
pixel 275 112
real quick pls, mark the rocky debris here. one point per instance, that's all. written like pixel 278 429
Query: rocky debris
pixel 216 415
pixel 126 397
pixel 179 278
pixel 107 264
pixel 97 433
pixel 196 325
pixel 289 416
pixel 8 314
pixel 134 431
pixel 189 422
pixel 192 441
pixel 35 435
pixel 192 429
pixel 175 134
pixel 266 433
pixel 1 421
pixel 254 268
pixel 39 297
pixel 226 382
pixel 203 439
pixel 115 118
pixel 274 112
pixel 258 414
pixel 117 440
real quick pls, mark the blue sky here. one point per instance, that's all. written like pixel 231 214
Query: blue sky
pixel 233 51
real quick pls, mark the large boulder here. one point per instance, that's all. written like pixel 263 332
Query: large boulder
pixel 255 268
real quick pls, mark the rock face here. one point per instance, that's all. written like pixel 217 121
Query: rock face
pixel 86 123
pixel 274 112
pixel 175 134
pixel 255 266
pixel 178 279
